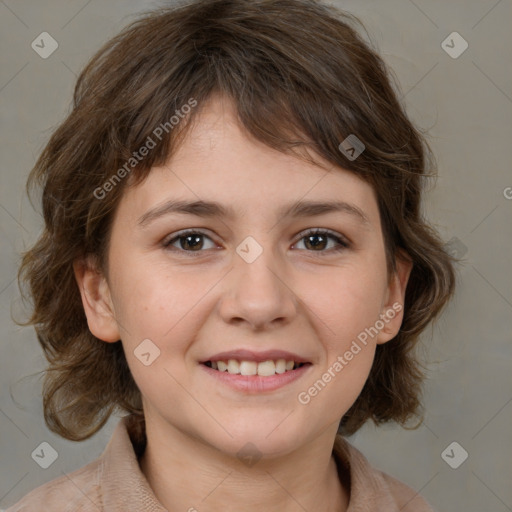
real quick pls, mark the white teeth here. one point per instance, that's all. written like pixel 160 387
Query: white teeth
pixel 263 369
pixel 233 366
pixel 266 368
pixel 248 368
pixel 280 366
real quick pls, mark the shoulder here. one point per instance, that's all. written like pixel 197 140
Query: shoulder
pixel 78 491
pixel 370 487
pixel 113 481
pixel 406 498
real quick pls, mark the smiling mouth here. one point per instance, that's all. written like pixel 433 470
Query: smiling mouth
pixel 262 369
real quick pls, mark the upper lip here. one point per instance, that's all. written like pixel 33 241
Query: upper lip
pixel 258 357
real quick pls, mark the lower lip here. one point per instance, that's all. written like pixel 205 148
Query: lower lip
pixel 256 383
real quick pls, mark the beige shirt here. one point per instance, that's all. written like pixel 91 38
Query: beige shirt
pixel 115 483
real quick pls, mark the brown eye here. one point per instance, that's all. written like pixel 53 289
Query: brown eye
pixel 187 241
pixel 318 240
pixel 193 242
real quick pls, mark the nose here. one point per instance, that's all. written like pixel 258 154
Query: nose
pixel 258 294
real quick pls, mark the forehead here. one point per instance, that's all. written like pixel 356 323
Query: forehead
pixel 219 161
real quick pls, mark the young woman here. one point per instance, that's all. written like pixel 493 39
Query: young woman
pixel 234 256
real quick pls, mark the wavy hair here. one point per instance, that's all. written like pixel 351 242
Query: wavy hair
pixel 301 77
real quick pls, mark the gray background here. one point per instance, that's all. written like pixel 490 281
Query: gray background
pixel 465 103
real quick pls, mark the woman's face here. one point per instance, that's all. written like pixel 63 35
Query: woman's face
pixel 250 286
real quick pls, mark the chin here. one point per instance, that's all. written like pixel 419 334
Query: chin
pixel 257 440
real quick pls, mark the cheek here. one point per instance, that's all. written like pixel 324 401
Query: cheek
pixel 343 318
pixel 345 301
pixel 154 304
pixel 346 306
pixel 153 301
pixel 345 380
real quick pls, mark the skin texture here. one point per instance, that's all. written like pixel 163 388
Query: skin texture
pixel 294 297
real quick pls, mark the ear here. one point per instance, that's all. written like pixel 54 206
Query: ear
pixel 96 300
pixel 393 307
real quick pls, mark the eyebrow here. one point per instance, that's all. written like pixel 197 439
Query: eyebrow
pixel 213 209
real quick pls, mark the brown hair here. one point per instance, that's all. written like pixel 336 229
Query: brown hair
pixel 300 77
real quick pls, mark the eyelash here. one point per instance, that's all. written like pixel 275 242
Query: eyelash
pixel 342 242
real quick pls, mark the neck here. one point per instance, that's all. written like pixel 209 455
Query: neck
pixel 186 474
